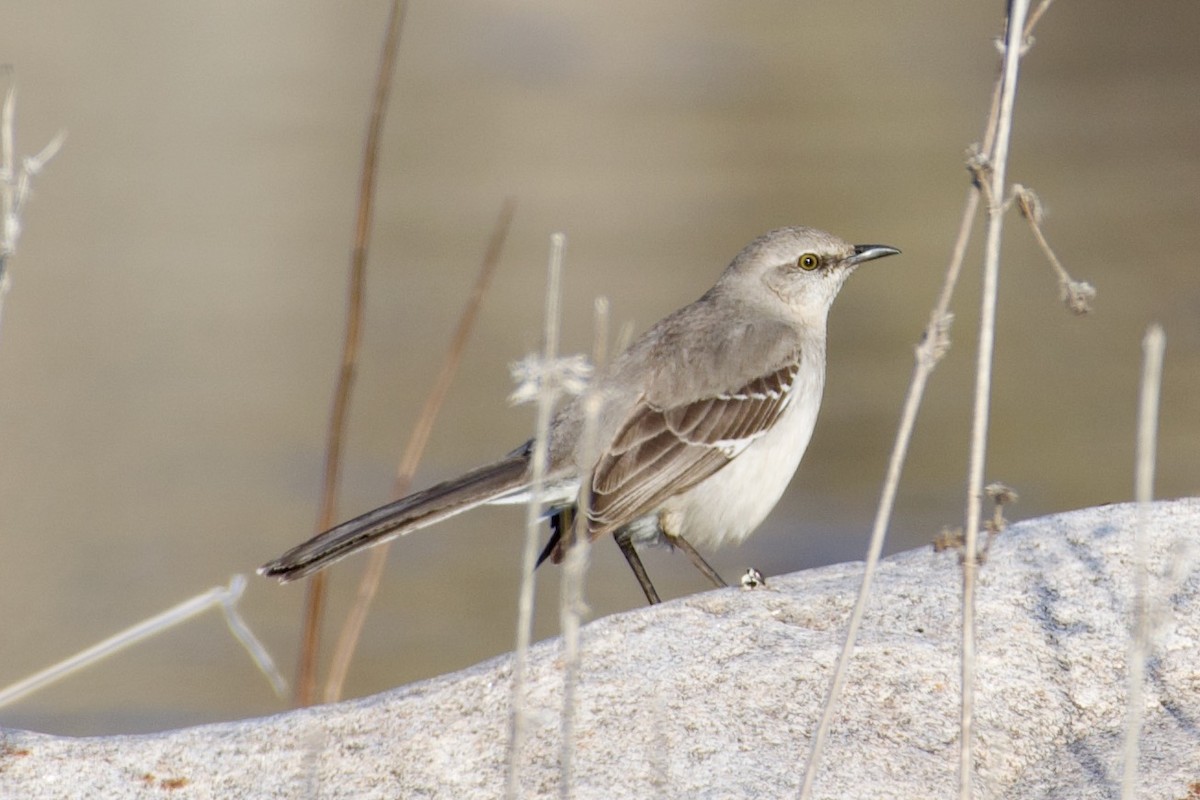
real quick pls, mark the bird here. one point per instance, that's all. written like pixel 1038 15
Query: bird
pixel 697 427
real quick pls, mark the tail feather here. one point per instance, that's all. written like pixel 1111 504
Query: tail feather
pixel 401 517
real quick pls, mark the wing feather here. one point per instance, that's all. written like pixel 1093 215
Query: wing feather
pixel 660 452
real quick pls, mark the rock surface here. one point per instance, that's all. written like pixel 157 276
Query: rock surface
pixel 717 695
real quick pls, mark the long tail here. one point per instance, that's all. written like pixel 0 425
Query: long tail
pixel 402 516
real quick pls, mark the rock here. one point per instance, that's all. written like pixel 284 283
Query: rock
pixel 717 695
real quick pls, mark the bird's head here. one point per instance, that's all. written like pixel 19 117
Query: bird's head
pixel 798 271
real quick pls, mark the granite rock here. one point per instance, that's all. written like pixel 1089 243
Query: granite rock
pixel 717 695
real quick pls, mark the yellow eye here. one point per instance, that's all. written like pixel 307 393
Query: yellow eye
pixel 808 261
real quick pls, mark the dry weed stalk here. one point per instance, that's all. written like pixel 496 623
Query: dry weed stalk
pixel 1139 646
pixel 223 597
pixel 368 584
pixel 15 184
pixel 1015 41
pixel 314 601
pixel 1075 295
pixel 572 605
pixel 934 344
pixel 542 379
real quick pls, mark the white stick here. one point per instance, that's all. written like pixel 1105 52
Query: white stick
pixel 224 596
pixel 15 184
pixel 572 604
pixel 1152 347
pixel 533 517
pixel 1018 10
pixel 9 225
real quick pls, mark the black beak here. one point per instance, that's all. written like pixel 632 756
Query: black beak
pixel 870 252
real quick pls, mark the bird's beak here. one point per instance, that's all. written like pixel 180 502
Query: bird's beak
pixel 870 252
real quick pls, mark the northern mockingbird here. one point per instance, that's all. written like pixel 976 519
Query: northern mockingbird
pixel 701 424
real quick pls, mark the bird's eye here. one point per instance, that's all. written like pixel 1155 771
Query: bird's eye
pixel 808 261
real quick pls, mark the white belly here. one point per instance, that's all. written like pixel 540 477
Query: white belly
pixel 732 503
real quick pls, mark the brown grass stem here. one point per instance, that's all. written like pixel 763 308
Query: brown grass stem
pixel 368 584
pixel 314 601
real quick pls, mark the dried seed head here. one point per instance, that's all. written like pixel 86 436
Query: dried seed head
pixel 533 374
pixel 1001 494
pixel 1078 296
pixel 1029 203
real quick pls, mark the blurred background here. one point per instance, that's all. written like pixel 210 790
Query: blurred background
pixel 170 342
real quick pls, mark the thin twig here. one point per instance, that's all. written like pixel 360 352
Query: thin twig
pixel 306 678
pixel 223 597
pixel 245 636
pixel 934 343
pixel 9 223
pixel 572 604
pixel 1001 495
pixel 1152 346
pixel 368 585
pixel 15 183
pixel 1035 17
pixel 933 346
pixel 1018 9
pixel 8 177
pixel 546 396
pixel 1075 295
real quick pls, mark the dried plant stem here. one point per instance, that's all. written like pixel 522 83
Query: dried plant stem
pixel 1030 207
pixel 933 346
pixel 8 180
pixel 571 602
pixel 15 183
pixel 8 190
pixel 1152 347
pixel 1035 17
pixel 1076 295
pixel 546 397
pixel 934 343
pixel 223 597
pixel 306 677
pixel 368 585
pixel 1018 9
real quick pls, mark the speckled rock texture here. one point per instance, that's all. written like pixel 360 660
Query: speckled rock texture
pixel 717 695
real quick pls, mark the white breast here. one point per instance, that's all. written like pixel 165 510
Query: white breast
pixel 732 503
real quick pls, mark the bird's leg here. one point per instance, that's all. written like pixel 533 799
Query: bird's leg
pixel 562 536
pixel 698 560
pixel 635 564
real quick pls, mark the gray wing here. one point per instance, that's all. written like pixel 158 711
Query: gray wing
pixel 661 452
